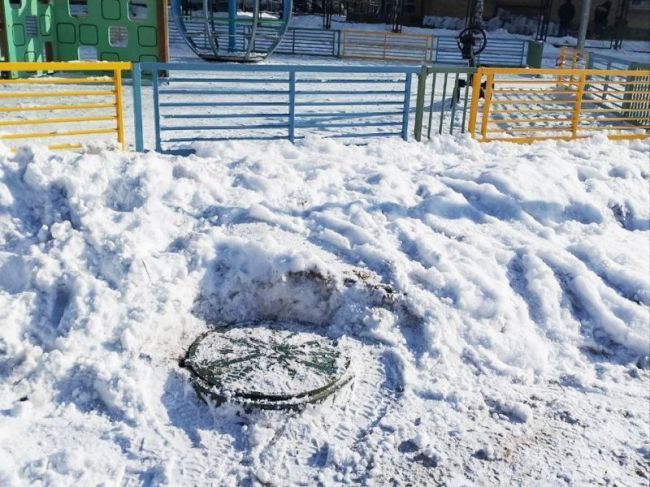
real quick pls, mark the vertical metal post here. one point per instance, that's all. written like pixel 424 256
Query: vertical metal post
pixel 486 105
pixel 433 99
pixel 419 103
pixel 473 110
pixel 442 104
pixel 137 106
pixel 292 106
pixel 453 105
pixel 156 108
pixel 385 45
pixel 462 128
pixel 339 43
pixel 119 107
pixel 232 24
pixel 578 106
pixel 584 23
pixel 407 106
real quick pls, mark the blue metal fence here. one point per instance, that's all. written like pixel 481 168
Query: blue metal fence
pixel 195 103
pixel 498 52
pixel 320 42
pixel 604 61
pixel 306 42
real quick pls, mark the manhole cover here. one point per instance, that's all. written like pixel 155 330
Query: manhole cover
pixel 267 365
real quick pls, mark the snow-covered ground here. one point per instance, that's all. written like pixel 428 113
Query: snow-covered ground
pixel 494 298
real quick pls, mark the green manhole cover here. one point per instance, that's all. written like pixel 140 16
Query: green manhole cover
pixel 267 365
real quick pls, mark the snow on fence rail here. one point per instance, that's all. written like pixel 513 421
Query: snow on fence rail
pixel 524 105
pixel 200 102
pixel 55 113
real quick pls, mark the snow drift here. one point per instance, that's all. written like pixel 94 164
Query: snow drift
pixel 484 290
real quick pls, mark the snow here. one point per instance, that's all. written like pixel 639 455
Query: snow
pixel 494 299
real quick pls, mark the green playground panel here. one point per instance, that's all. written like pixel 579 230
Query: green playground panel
pixel 99 29
pixel 27 30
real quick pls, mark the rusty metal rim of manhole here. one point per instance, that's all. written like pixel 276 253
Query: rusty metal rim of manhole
pixel 267 365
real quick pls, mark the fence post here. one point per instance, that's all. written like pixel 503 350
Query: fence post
pixel 156 108
pixel 137 106
pixel 487 102
pixel 385 45
pixel 476 89
pixel 419 102
pixel 407 106
pixel 119 106
pixel 578 106
pixel 292 106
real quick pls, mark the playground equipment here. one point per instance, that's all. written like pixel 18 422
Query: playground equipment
pixel 86 30
pixel 232 30
pixel 473 40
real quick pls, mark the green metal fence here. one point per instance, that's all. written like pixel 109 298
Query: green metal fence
pixel 442 100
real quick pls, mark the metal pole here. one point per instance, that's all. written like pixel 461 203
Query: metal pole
pixel 584 23
pixel 232 24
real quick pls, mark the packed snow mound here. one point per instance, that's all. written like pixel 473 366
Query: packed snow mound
pixel 465 279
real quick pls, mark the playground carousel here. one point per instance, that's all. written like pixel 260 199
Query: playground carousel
pixel 232 30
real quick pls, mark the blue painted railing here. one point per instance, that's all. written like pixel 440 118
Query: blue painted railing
pixel 201 102
pixel 596 60
pixel 498 52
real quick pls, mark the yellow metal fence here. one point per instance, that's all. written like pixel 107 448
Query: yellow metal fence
pixel 572 58
pixel 81 102
pixel 387 46
pixel 525 105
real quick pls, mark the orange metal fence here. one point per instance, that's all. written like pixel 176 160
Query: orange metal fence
pixel 524 105
pixel 63 111
pixel 387 46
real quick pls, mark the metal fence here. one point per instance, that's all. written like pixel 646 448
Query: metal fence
pixel 46 115
pixel 372 45
pixel 442 101
pixel 200 102
pixel 386 46
pixel 305 42
pixel 498 52
pixel 210 102
pixel 523 105
pixel 603 61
